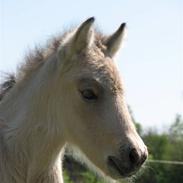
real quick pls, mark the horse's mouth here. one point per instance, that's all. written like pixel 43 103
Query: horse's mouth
pixel 116 165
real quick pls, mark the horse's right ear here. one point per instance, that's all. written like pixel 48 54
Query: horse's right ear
pixel 113 42
pixel 80 39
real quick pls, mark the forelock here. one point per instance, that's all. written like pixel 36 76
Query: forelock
pixel 103 69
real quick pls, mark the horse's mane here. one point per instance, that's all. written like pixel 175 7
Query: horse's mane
pixel 36 57
pixel 33 60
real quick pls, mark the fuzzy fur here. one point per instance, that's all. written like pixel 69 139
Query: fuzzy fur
pixel 41 110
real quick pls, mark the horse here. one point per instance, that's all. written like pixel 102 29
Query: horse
pixel 68 94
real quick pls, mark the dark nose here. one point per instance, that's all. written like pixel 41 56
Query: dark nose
pixel 136 157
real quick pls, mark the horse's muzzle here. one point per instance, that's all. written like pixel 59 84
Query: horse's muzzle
pixel 135 160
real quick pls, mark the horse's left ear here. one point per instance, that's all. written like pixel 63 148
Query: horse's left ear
pixel 113 42
pixel 78 40
pixel 83 37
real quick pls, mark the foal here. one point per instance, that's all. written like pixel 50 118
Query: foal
pixel 69 93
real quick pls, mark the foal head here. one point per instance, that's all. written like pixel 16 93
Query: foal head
pixel 96 117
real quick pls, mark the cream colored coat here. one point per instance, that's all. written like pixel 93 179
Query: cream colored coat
pixel 45 110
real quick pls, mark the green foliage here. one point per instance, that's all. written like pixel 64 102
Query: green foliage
pixel 176 129
pixel 167 146
pixel 75 172
pixel 157 144
pixel 84 177
pixel 66 177
pixel 91 178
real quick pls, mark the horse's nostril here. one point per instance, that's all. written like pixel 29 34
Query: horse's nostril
pixel 144 157
pixel 137 158
pixel 134 156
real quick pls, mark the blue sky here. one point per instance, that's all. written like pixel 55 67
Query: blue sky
pixel 151 60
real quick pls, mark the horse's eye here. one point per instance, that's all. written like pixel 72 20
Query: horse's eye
pixel 88 94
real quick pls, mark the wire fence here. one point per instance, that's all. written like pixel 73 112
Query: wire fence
pixel 166 162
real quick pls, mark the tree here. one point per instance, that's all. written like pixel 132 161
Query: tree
pixel 176 129
pixel 167 146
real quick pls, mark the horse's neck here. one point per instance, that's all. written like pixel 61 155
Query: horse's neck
pixel 31 136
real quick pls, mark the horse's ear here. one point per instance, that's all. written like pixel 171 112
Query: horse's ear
pixel 78 40
pixel 113 42
pixel 83 36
